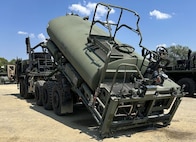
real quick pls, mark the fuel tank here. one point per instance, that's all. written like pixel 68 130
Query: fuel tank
pixel 70 33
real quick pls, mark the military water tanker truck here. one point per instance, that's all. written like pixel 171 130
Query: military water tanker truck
pixel 121 88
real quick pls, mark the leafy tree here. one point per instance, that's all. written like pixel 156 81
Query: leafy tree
pixel 12 62
pixel 193 54
pixel 3 63
pixel 177 52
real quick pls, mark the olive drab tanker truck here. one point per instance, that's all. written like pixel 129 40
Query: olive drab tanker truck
pixel 121 88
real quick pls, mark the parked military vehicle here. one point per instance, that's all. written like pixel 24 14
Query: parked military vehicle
pixel 183 72
pixel 33 71
pixel 121 88
pixel 7 76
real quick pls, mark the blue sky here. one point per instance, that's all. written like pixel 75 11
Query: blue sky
pixel 163 22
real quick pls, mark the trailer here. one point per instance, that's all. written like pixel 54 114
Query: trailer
pixel 121 88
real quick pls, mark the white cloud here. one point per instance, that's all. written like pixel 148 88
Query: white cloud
pixel 41 37
pixel 22 33
pixel 31 35
pixel 84 10
pixel 101 11
pixel 159 15
pixel 87 8
pixel 91 6
pixel 173 44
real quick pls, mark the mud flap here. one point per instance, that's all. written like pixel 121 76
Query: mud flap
pixel 67 105
pixel 66 101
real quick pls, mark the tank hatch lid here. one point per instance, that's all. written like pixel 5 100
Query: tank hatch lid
pixel 101 45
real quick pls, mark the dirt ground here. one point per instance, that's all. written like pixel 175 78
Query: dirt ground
pixel 22 121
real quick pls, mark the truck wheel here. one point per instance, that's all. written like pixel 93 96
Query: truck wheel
pixel 189 85
pixel 47 95
pixel 56 100
pixel 2 81
pixel 62 101
pixel 26 95
pixel 39 92
pixel 22 88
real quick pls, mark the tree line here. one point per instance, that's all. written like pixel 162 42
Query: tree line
pixel 4 62
pixel 179 52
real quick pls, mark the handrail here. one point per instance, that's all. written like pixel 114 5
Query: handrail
pixel 124 64
pixel 107 24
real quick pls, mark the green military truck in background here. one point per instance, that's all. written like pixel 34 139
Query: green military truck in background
pixel 183 71
pixel 7 74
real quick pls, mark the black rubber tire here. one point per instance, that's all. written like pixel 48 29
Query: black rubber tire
pixel 22 88
pixel 189 85
pixel 26 94
pixel 47 95
pixel 56 100
pixel 39 92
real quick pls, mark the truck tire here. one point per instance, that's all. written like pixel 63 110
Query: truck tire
pixel 47 95
pixel 56 100
pixel 22 88
pixel 62 101
pixel 2 81
pixel 26 95
pixel 39 92
pixel 189 85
